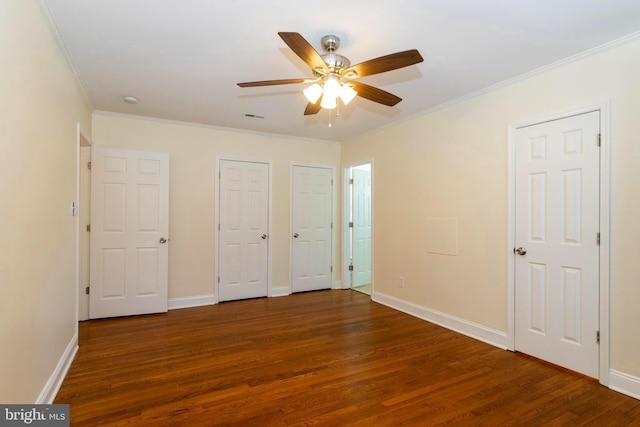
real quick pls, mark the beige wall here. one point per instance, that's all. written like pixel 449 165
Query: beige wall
pixel 193 152
pixel 452 163
pixel 40 104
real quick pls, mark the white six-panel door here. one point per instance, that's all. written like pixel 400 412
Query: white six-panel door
pixel 361 227
pixel 311 212
pixel 243 257
pixel 129 232
pixel 557 259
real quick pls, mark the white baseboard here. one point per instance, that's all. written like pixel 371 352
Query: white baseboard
pixel 187 302
pixel 281 291
pixel 462 326
pixel 337 284
pixel 50 390
pixel 624 383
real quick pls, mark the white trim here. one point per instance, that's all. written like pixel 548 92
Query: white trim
pixel 511 238
pixel 80 136
pixel 216 240
pixel 624 383
pixel 334 231
pixel 456 324
pixel 51 388
pixel 346 242
pixel 605 226
pixel 212 127
pixel 605 242
pixel 188 302
pixel 337 284
pixel 280 291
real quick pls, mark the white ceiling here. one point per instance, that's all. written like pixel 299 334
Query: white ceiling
pixel 183 58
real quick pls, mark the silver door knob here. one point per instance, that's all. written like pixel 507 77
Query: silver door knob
pixel 264 237
pixel 521 251
pixel 296 235
pixel 163 240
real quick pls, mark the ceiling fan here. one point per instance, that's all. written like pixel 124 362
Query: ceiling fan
pixel 334 75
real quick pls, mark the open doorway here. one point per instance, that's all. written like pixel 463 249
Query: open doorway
pixel 358 235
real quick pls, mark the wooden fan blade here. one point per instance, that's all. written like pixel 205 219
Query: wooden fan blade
pixel 273 82
pixel 386 63
pixel 313 108
pixel 304 50
pixel 374 94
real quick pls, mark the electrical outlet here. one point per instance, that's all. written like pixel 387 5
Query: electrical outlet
pixel 401 281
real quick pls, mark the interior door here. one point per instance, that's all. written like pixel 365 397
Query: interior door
pixel 311 215
pixel 557 256
pixel 361 226
pixel 243 256
pixel 129 232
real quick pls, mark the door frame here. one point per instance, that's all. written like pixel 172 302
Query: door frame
pixel 334 227
pixel 82 300
pixel 216 218
pixel 346 207
pixel 605 226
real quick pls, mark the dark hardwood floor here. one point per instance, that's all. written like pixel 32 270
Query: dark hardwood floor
pixel 328 358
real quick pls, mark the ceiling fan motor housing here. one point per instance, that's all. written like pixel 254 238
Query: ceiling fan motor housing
pixel 334 61
pixel 330 43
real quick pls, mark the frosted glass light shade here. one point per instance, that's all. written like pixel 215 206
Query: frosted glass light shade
pixel 347 93
pixel 331 88
pixel 328 102
pixel 313 92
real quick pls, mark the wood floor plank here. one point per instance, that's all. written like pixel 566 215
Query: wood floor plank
pixel 328 358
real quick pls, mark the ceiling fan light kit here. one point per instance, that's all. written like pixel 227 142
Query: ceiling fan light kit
pixel 334 74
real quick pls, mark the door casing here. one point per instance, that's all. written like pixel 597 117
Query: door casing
pixel 84 218
pixel 83 197
pixel 605 226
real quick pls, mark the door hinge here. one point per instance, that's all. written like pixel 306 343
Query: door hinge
pixel 599 139
pixel 351 181
pixel 598 337
pixel 351 224
pixel 332 268
pixel 350 267
pixel 598 238
pixel 218 227
pixel 331 181
pixel 89 165
pixel 86 290
pixel 218 279
pixel 332 226
pixel 89 228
